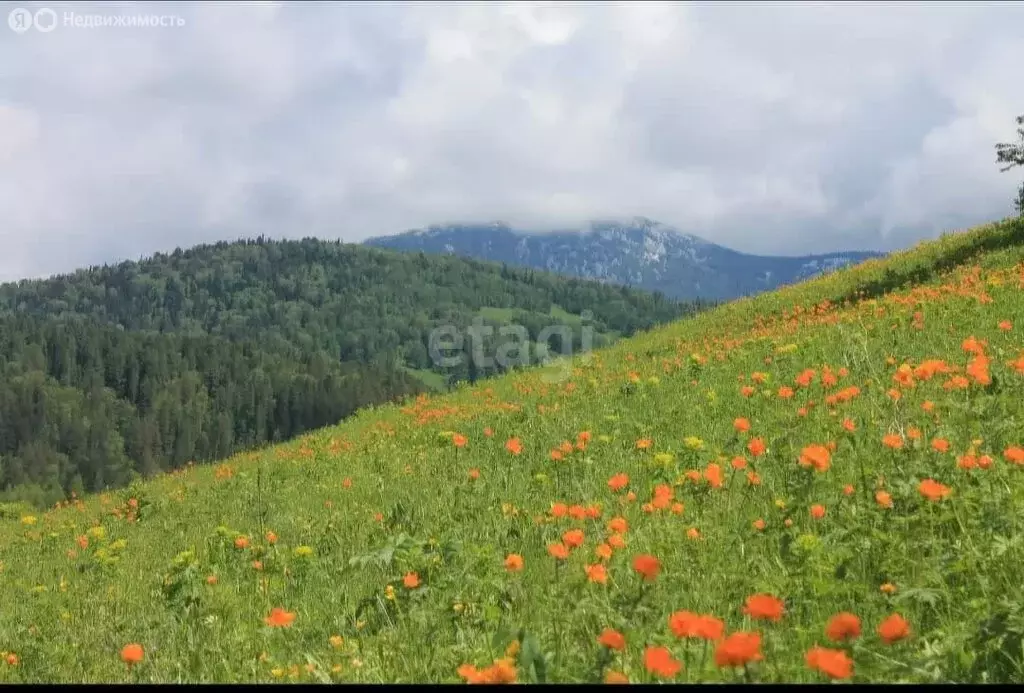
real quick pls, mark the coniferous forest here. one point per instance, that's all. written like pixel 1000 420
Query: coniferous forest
pixel 141 367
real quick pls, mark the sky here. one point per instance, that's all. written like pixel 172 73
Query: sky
pixel 770 128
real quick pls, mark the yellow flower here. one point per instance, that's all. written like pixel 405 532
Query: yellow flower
pixel 337 641
pixel 513 649
pixel 663 458
pixel 303 551
pixel 277 672
pixel 693 442
pixel 98 532
pixel 28 520
pixel 389 592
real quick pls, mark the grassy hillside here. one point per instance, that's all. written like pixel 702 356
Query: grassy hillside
pixel 119 372
pixel 821 482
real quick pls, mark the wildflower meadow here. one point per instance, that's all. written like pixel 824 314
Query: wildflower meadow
pixel 823 483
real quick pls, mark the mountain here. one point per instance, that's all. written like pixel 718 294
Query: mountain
pixel 118 371
pixel 640 253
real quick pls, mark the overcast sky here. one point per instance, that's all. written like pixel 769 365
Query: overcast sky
pixel 769 128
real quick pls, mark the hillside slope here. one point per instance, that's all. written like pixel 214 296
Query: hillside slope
pixel 727 498
pixel 641 253
pixel 124 370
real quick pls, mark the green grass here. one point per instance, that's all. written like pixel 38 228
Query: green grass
pixel 357 507
pixel 431 379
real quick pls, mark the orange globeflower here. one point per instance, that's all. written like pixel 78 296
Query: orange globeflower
pixel 616 677
pixel 559 551
pixel 559 509
pixel 573 538
pixel 893 440
pixel 685 624
pixel 612 639
pixel 843 626
pixel 279 618
pixel 833 663
pixel 741 425
pixel 940 445
pixel 933 490
pixel 893 629
pixel 764 606
pixel 883 499
pixel 1014 454
pixel 739 649
pixel 513 563
pixel 1005 325
pixel 459 440
pixel 693 533
pixel 618 525
pixel 644 443
pixel 411 580
pixel 660 662
pixel 760 524
pixel 597 573
pixel 618 482
pixel 603 551
pixel 132 653
pixel 817 511
pixel 242 542
pixel 271 538
pixel 848 490
pixel 646 565
pixel 514 446
pixel 816 456
pixel 616 541
pixel 756 447
pixel 474 474
pixel 738 462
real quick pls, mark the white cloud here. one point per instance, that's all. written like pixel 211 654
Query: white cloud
pixel 772 128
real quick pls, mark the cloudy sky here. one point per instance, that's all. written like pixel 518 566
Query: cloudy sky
pixel 769 128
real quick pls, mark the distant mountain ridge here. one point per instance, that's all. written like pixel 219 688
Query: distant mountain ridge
pixel 640 253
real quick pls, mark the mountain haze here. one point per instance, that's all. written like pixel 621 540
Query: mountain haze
pixel 640 253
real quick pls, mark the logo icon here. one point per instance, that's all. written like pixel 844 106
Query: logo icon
pixel 46 20
pixel 20 20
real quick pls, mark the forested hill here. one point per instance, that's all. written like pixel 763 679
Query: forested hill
pixel 144 366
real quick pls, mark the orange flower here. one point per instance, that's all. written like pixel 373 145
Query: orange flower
pixel 738 649
pixel 603 551
pixel 849 425
pixel 648 566
pixel 816 456
pixel 1014 454
pixel 892 440
pixel 242 542
pixel 693 533
pixel 764 607
pixel 474 474
pixel 756 447
pixel 488 432
pixel 843 626
pixel 411 581
pixel 573 538
pixel 848 490
pixel 616 677
pixel 211 579
pixel 833 663
pixel 597 573
pixel 753 478
pixel 893 629
pixel 933 490
pixel 271 538
pixel 612 639
pixel 660 662
pixel 741 425
pixel 883 499
pixel 459 440
pixel 685 624
pixel 513 563
pixel 785 392
pixel 618 525
pixel 577 512
pixel 817 511
pixel 559 551
pixel 559 509
pixel 11 659
pixel 888 588
pixel 747 391
pixel 618 482
pixel 713 474
pixel 132 653
pixel 738 462
pixel 514 446
pixel 279 618
pixel 1005 325
pixel 940 445
pixel 644 443
pixel 677 508
pixel 759 524
pixel 616 541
